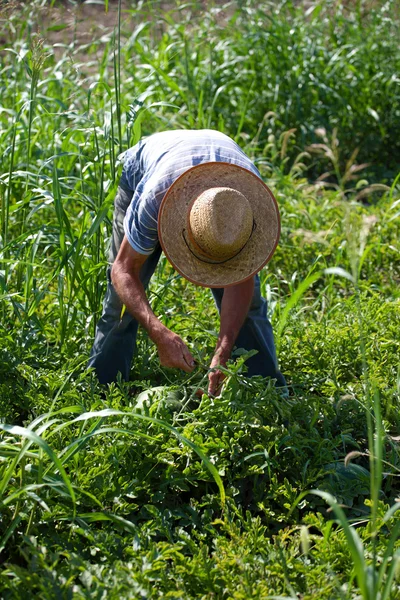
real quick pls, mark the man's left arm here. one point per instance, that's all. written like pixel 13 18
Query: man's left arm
pixel 235 305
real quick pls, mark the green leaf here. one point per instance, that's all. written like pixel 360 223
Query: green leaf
pixel 34 438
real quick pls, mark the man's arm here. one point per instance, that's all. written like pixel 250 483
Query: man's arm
pixel 234 308
pixel 125 275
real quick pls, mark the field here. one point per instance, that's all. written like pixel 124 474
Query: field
pixel 142 490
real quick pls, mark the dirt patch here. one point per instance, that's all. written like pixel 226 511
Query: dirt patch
pixel 77 26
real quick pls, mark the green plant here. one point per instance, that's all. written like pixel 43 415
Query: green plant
pixel 142 489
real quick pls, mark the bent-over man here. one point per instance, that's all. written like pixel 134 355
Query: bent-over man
pixel 199 198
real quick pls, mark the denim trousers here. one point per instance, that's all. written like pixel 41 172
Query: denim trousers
pixel 115 337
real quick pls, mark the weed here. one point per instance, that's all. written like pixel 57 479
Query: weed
pixel 142 489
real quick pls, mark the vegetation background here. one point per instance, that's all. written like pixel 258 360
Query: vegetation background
pixel 141 490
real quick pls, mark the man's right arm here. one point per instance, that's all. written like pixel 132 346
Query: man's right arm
pixel 125 276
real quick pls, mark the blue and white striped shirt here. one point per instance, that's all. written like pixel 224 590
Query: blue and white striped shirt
pixel 156 162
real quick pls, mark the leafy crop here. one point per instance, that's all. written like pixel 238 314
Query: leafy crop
pixel 143 489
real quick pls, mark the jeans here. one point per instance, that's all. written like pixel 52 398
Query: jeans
pixel 115 337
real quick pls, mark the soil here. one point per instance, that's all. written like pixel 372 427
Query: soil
pixel 61 23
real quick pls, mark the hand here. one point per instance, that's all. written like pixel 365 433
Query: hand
pixel 216 378
pixel 173 352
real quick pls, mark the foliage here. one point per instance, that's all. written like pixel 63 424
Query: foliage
pixel 142 489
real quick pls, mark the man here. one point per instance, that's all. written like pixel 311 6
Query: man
pixel 198 197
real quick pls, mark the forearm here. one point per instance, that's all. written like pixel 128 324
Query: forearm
pixel 125 275
pixel 133 295
pixel 234 308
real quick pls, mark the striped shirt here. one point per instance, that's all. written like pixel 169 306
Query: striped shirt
pixel 156 162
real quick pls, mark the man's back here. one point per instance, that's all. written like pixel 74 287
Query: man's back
pixel 156 162
pixel 151 167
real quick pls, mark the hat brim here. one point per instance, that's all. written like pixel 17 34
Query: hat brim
pixel 172 222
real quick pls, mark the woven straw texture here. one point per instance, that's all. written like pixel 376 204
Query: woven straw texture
pixel 173 224
pixel 220 222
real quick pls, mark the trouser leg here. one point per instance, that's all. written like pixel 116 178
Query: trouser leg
pixel 256 334
pixel 115 337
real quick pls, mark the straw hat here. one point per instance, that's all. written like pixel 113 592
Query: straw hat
pixel 218 224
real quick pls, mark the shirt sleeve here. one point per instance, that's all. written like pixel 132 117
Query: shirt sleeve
pixel 140 223
pixel 132 171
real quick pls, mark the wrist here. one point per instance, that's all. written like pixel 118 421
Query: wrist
pixel 224 347
pixel 157 331
pixel 222 355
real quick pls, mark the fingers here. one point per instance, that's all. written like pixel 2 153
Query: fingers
pixel 185 366
pixel 174 353
pixel 176 360
pixel 216 377
pixel 215 380
pixel 188 358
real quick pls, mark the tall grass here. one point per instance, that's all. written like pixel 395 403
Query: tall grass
pixel 308 94
pixel 212 80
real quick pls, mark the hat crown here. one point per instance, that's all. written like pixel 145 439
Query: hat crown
pixel 220 222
